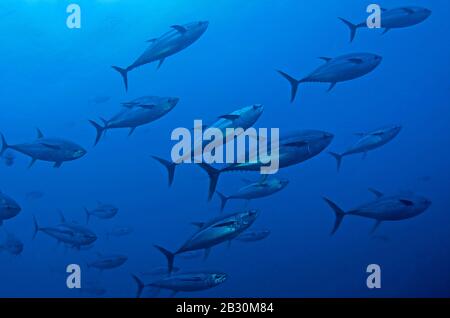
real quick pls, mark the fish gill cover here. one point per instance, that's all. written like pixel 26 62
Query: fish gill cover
pixel 124 74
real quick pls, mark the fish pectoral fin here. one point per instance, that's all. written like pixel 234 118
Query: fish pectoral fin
pixel 39 133
pixel 129 104
pixel 385 31
pixel 57 164
pixel 406 202
pixel 54 147
pixel 326 59
pixel 131 131
pixel 408 10
pixel 147 106
pixel 356 60
pixel 229 117
pixel 179 28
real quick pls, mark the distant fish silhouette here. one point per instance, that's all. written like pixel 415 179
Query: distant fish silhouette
pixel 383 208
pixel 8 208
pixel 179 38
pixel 103 262
pixel 11 244
pixel 339 69
pixel 138 112
pixel 47 149
pixel 369 141
pixel 253 235
pixel 393 19
pixel 102 211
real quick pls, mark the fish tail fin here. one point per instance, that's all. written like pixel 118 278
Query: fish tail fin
pixel 170 166
pixel 338 212
pixel 35 227
pixel 352 27
pixel 223 200
pixel 100 130
pixel 294 84
pixel 88 215
pixel 170 257
pixel 140 285
pixel 124 73
pixel 338 158
pixel 4 145
pixel 213 174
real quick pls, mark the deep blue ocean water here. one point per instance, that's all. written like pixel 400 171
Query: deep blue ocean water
pixel 51 74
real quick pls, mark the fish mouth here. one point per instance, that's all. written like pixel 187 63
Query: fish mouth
pixel 174 100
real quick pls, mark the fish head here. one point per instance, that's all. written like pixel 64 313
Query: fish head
pixel 78 152
pixel 9 207
pixel 89 237
pixel 219 278
pixel 415 204
pixel 393 131
pixel 173 101
pixel 314 141
pixel 196 29
pixel 420 13
pixel 248 217
pixel 248 115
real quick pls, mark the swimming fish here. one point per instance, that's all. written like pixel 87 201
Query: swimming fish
pixel 8 208
pixel 393 19
pixel 177 39
pixel 339 69
pixel 383 208
pixel 47 149
pixel 369 141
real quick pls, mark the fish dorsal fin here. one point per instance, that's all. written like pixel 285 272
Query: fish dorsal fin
pixel 326 59
pixel 39 133
pixel 198 224
pixel 356 60
pixel 248 181
pixel 54 147
pixel 406 202
pixel 408 10
pixel 229 117
pixel 377 193
pixel 179 28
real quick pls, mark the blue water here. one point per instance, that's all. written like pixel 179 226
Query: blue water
pixel 50 74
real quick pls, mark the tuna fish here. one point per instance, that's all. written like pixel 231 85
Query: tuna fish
pixel 383 208
pixel 254 190
pixel 138 112
pixel 185 282
pixel 8 208
pixel 179 38
pixel 72 234
pixel 294 148
pixel 47 149
pixel 108 261
pixel 102 211
pixel 218 230
pixel 244 118
pixel 393 19
pixel 253 236
pixel 369 141
pixel 339 69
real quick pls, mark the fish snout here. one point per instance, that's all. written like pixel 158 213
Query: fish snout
pixel 258 107
pixel 427 12
pixel 378 58
pixel 174 100
pixel 328 136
